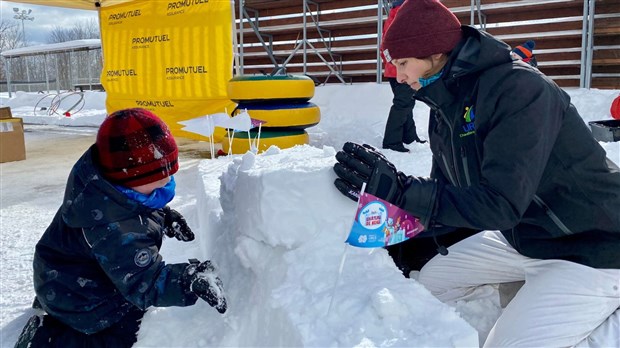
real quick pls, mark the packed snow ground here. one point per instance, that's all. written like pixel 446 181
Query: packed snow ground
pixel 273 223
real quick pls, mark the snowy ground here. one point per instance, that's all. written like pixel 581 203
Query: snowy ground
pixel 273 223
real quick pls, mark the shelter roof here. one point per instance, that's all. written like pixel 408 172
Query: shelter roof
pixel 67 46
pixel 77 4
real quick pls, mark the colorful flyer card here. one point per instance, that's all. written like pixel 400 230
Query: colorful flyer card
pixel 379 223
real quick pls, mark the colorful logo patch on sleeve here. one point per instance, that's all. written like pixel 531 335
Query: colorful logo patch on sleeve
pixel 143 257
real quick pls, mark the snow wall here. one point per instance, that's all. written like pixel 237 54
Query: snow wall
pixel 279 246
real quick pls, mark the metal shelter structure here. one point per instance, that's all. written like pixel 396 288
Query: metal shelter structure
pixel 47 50
pixel 577 41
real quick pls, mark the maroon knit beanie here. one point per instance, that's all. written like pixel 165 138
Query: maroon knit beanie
pixel 135 147
pixel 421 28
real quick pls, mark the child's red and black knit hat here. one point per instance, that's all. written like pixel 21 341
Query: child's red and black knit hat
pixel 135 147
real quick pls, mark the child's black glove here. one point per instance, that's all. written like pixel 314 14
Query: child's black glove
pixel 358 164
pixel 204 282
pixel 176 226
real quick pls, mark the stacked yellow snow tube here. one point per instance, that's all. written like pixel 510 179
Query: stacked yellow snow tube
pixel 280 104
pixel 283 115
pixel 265 88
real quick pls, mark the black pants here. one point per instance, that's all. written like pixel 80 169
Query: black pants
pixel 400 126
pixel 54 333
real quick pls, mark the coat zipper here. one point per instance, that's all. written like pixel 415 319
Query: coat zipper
pixel 455 176
pixel 445 163
pixel 86 239
pixel 456 182
pixel 556 220
pixel 465 166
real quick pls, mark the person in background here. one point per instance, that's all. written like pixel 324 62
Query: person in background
pixel 97 267
pixel 400 126
pixel 525 52
pixel 512 158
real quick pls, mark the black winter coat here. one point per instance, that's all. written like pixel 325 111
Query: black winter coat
pixel 511 153
pixel 100 256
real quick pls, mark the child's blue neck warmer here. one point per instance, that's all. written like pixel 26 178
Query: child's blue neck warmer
pixel 157 199
pixel 425 82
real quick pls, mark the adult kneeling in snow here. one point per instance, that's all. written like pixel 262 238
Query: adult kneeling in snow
pixel 512 158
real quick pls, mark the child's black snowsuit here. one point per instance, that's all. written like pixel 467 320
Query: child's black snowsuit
pixel 99 259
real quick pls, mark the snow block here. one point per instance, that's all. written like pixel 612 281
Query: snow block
pixel 280 250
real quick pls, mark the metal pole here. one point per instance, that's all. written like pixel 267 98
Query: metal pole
pixel 241 37
pixel 101 81
pixel 90 79
pixel 69 65
pixel 379 38
pixel 8 75
pixel 57 76
pixel 471 13
pixel 584 45
pixel 23 15
pixel 590 45
pixel 305 38
pixel 27 73
pixel 235 41
pixel 47 79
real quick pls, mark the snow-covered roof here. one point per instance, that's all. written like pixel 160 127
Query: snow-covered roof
pixel 67 46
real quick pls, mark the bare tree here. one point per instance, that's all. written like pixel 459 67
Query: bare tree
pixel 9 39
pixel 9 35
pixel 86 29
pixel 77 65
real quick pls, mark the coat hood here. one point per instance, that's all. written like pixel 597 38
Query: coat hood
pixel 477 51
pixel 90 200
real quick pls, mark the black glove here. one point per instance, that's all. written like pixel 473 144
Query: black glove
pixel 204 282
pixel 358 164
pixel 176 226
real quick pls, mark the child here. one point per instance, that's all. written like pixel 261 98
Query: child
pixel 97 267
pixel 525 53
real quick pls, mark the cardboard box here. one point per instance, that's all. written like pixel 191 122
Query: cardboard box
pixel 5 112
pixel 12 145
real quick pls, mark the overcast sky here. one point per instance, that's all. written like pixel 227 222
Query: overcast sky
pixel 46 18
